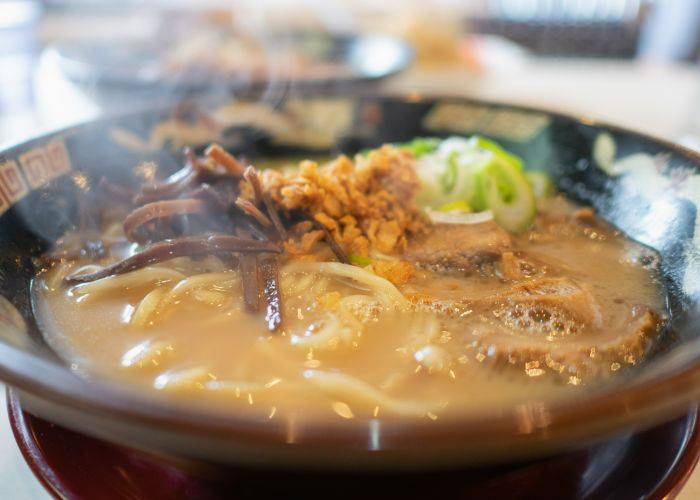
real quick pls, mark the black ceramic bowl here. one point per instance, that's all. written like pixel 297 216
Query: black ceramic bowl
pixel 648 188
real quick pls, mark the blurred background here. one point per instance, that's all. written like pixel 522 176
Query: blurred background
pixel 631 62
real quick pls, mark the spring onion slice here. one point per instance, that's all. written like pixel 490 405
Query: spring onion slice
pixel 359 260
pixel 513 208
pixel 455 206
pixel 458 217
pixel 420 146
pixel 448 179
pixel 479 142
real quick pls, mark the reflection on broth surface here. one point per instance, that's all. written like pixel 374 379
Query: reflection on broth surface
pixel 429 317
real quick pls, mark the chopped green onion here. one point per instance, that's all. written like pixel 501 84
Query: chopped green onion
pixel 491 169
pixel 478 199
pixel 459 205
pixel 499 155
pixel 359 260
pixel 420 146
pixel 541 182
pixel 477 174
pixel 513 209
pixel 480 142
pixel 448 179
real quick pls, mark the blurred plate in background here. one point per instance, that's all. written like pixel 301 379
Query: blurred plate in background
pixel 313 58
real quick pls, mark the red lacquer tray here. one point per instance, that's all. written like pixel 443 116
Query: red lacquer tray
pixel 651 464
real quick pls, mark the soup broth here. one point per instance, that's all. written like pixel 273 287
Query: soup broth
pixel 460 318
pixel 204 346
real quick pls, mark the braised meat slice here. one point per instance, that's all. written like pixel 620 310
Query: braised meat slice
pixel 460 247
pixel 549 325
pixel 561 294
pixel 574 354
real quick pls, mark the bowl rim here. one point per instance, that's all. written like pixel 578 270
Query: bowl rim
pixel 638 404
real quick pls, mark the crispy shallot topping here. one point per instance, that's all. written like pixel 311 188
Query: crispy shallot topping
pixel 366 204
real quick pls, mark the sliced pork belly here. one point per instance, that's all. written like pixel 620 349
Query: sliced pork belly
pixel 461 247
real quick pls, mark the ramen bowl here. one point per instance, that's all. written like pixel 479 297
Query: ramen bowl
pixel 648 188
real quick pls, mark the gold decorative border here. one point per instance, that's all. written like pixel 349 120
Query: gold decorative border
pixel 33 169
pixel 510 124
